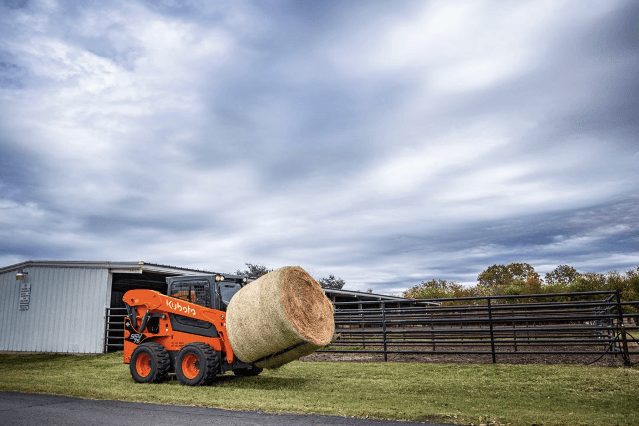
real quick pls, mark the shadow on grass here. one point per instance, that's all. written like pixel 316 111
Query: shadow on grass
pixel 28 359
pixel 252 382
pixel 262 383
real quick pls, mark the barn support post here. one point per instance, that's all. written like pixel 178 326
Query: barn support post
pixel 106 333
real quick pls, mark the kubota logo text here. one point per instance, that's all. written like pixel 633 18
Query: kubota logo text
pixel 180 308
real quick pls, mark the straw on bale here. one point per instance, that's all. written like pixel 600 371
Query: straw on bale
pixel 278 318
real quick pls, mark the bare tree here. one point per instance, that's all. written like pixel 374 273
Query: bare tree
pixel 332 282
pixel 254 270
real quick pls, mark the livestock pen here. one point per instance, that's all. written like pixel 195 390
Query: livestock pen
pixel 573 324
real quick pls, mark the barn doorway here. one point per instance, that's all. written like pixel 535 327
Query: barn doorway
pixel 120 284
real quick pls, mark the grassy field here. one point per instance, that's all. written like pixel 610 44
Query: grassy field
pixel 447 393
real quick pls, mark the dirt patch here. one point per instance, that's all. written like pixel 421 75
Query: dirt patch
pixel 549 358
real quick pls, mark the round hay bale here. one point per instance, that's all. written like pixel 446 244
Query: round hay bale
pixel 278 318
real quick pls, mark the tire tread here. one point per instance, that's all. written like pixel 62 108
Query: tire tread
pixel 212 364
pixel 164 361
pixel 159 356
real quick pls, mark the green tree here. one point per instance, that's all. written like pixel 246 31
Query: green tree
pixel 516 287
pixel 586 282
pixel 502 275
pixel 495 275
pixel 562 274
pixel 524 271
pixel 631 289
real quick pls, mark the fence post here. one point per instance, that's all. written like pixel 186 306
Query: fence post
pixel 624 342
pixel 432 330
pixel 461 325
pixel 622 331
pixel 492 337
pixel 362 326
pixel 512 313
pixel 384 330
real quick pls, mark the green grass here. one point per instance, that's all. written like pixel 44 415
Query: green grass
pixel 503 394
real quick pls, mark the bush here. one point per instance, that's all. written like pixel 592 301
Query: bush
pixel 516 288
pixel 433 289
pixel 583 284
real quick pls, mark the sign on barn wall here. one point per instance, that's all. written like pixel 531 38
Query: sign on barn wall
pixel 25 296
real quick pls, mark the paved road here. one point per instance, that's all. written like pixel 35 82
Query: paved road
pixel 19 409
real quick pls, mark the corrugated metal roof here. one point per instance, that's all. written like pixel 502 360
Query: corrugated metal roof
pixel 365 296
pixel 361 295
pixel 358 296
pixel 121 267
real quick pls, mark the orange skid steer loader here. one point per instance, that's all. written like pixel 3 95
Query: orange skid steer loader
pixel 183 332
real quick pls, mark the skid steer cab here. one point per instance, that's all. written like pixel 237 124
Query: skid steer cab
pixel 182 332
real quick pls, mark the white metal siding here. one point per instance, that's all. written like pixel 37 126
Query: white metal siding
pixel 66 311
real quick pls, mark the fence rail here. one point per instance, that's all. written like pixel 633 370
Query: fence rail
pixel 590 323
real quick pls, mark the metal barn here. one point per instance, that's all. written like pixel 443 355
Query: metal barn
pixel 62 306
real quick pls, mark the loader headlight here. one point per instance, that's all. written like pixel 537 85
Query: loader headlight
pixel 244 279
pixel 219 278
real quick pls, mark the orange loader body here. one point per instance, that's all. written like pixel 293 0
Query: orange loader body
pixel 155 302
pixel 153 347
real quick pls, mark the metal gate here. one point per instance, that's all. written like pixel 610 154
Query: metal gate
pixel 114 329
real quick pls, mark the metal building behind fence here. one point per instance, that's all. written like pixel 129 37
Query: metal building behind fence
pixel 60 306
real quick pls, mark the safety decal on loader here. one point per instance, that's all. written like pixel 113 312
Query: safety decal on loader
pixel 132 335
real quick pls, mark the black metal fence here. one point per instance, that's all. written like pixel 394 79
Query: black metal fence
pixel 114 329
pixel 588 323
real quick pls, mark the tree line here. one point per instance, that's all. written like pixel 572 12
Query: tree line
pixel 521 279
pixel 503 280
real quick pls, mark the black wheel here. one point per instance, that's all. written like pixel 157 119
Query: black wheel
pixel 250 371
pixel 197 364
pixel 150 363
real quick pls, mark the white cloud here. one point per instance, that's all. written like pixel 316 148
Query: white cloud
pixel 86 116
pixel 15 215
pixel 409 169
pixel 175 51
pixel 608 262
pixel 170 139
pixel 455 46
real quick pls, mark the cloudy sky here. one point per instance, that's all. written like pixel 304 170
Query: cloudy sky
pixel 384 142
